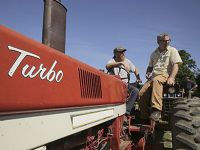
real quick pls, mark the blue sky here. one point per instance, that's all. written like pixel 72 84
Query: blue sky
pixel 96 27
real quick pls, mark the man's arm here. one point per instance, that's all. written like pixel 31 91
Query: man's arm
pixel 149 72
pixel 114 64
pixel 137 75
pixel 117 64
pixel 171 79
pixel 194 85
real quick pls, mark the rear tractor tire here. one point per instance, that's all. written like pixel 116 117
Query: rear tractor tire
pixel 186 124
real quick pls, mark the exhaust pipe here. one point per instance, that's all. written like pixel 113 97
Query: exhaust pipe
pixel 54 25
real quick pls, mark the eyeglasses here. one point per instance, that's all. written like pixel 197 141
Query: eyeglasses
pixel 164 41
pixel 121 52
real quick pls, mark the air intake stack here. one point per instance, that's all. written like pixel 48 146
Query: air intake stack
pixel 54 25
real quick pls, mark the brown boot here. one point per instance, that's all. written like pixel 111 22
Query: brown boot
pixel 155 115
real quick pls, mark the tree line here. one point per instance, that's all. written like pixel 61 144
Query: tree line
pixel 189 68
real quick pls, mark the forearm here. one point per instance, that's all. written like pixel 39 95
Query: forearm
pixel 174 71
pixel 137 74
pixel 114 64
pixel 149 72
pixel 195 86
pixel 149 69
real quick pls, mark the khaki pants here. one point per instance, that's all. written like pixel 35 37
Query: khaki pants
pixel 151 95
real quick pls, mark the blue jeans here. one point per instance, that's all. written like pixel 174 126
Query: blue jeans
pixel 131 99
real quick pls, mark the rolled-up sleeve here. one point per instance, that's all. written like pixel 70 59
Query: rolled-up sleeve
pixel 175 57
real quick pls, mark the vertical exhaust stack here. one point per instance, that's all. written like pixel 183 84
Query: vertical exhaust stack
pixel 54 24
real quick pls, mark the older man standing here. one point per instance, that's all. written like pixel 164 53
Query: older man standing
pixel 162 68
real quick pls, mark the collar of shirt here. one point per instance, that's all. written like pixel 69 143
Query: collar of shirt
pixel 163 52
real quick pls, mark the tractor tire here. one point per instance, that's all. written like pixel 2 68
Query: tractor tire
pixel 186 124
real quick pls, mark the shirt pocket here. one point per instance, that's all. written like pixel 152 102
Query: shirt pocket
pixel 155 59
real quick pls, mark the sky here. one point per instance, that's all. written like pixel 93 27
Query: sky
pixel 96 27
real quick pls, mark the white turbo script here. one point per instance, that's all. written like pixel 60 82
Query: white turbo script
pixel 42 72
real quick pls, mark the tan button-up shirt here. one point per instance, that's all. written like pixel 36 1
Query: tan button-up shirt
pixel 162 62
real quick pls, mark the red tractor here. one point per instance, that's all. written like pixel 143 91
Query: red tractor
pixel 48 98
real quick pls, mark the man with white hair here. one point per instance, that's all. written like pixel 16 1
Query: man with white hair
pixel 163 67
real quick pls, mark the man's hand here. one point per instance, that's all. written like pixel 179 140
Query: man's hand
pixel 148 75
pixel 171 81
pixel 139 81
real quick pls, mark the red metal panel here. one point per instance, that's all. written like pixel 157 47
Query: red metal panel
pixel 34 76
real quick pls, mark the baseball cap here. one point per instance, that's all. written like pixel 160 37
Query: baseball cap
pixel 119 49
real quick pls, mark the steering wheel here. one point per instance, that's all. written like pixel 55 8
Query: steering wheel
pixel 111 71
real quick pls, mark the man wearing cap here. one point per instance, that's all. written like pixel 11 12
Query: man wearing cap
pixel 120 61
pixel 163 67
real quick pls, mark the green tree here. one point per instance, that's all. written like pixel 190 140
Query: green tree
pixel 188 67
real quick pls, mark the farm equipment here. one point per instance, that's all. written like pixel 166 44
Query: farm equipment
pixel 48 98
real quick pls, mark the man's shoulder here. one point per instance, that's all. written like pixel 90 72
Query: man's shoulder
pixel 172 49
pixel 174 52
pixel 111 60
pixel 155 52
pixel 127 60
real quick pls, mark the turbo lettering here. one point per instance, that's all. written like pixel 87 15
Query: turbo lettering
pixel 32 72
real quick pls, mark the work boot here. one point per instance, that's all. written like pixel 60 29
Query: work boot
pixel 155 115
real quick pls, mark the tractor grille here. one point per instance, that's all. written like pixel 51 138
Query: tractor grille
pixel 168 102
pixel 90 84
pixel 167 105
